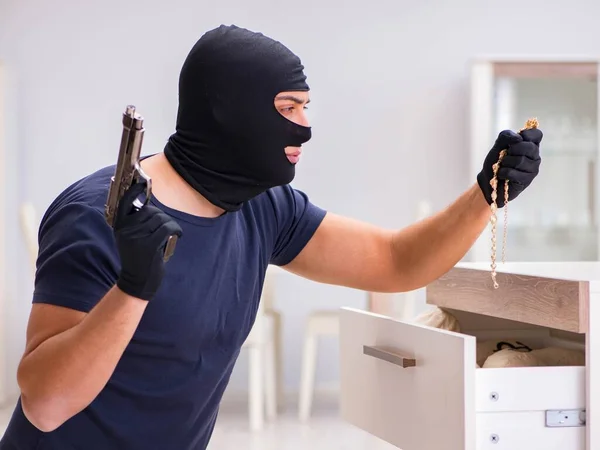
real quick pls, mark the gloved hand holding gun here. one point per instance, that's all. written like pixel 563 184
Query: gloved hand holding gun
pixel 145 235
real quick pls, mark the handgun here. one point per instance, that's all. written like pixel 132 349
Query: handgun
pixel 128 172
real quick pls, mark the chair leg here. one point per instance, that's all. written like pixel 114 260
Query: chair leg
pixel 309 363
pixel 270 380
pixel 278 354
pixel 256 398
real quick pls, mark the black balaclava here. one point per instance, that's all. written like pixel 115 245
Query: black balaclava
pixel 230 139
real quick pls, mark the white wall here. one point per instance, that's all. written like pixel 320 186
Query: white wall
pixel 389 89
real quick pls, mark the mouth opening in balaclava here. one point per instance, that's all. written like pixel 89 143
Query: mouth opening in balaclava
pixel 230 140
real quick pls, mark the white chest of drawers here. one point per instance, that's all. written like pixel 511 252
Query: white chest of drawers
pixel 418 387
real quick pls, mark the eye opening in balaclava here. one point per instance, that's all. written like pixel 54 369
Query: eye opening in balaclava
pixel 230 139
pixel 291 98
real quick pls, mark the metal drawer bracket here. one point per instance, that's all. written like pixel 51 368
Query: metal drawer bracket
pixel 565 418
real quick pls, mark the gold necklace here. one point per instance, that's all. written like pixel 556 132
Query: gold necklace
pixel 530 124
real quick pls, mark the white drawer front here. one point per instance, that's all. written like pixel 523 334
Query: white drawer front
pixel 425 407
pixel 525 430
pixel 512 404
pixel 529 389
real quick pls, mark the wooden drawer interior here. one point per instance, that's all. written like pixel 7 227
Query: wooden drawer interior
pixel 547 302
pixel 484 327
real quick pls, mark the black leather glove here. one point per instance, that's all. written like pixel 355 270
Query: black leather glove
pixel 520 165
pixel 141 239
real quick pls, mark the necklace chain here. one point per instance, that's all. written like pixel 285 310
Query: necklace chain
pixel 531 123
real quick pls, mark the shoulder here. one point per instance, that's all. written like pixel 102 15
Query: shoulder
pixel 76 216
pixel 88 193
pixel 282 201
pixel 288 218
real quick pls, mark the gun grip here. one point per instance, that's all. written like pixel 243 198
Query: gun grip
pixel 170 247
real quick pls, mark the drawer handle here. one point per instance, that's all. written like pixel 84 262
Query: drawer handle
pixel 389 355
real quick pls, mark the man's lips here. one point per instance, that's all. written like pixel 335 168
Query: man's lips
pixel 294 156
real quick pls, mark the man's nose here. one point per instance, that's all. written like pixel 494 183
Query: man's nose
pixel 303 119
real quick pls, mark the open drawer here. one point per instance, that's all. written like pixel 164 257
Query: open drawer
pixel 418 388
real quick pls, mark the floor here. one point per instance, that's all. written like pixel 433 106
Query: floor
pixel 324 431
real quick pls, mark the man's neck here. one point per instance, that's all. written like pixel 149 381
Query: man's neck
pixel 172 190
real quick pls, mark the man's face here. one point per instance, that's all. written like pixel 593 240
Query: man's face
pixel 292 105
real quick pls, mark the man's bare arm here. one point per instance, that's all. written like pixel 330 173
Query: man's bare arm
pixel 354 254
pixel 71 355
pixel 362 256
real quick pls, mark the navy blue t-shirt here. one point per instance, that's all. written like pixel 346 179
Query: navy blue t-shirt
pixel 166 389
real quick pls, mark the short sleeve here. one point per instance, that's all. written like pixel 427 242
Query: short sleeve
pixel 297 220
pixel 77 261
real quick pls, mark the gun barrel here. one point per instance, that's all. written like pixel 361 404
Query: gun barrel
pixel 130 110
pixel 128 161
pixel 128 169
pixel 132 120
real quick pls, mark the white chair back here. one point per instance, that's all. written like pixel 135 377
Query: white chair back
pixel 29 225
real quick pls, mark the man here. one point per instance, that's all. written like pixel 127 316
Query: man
pixel 125 351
